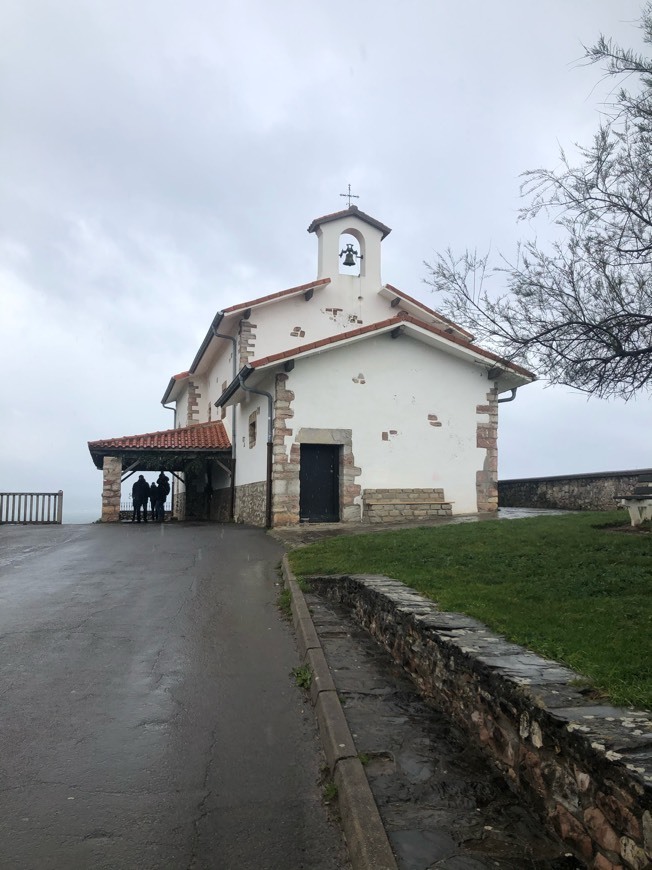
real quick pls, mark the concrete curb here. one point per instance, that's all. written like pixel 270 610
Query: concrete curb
pixel 369 847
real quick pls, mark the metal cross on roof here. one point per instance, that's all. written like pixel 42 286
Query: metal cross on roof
pixel 350 195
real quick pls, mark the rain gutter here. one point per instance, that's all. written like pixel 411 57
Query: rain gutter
pixel 207 340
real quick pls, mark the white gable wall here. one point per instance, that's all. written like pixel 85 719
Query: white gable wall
pixel 405 382
pixel 282 325
pixel 411 410
pixel 348 302
pixel 220 373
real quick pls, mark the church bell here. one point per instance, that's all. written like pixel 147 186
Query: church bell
pixel 349 255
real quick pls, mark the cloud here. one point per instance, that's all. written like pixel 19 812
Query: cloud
pixel 162 161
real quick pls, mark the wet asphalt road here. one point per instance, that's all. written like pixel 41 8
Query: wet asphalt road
pixel 147 714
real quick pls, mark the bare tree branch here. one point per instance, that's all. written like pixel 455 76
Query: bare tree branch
pixel 580 310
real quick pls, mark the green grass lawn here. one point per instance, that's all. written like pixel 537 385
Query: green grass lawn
pixel 560 585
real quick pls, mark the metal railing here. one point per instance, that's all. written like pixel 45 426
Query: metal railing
pixel 31 507
pixel 128 506
pixel 127 509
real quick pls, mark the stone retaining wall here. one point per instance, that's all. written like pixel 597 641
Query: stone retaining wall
pixel 250 503
pixel 585 768
pixel 571 492
pixel 392 505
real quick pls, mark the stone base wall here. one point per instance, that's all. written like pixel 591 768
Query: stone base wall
pixel 214 506
pixel 574 492
pixel 394 505
pixel 179 505
pixel 250 501
pixel 220 510
pixel 196 505
pixel 584 768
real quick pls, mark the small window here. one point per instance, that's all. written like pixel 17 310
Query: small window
pixel 252 428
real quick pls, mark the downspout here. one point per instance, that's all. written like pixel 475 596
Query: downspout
pixel 270 443
pixel 232 339
pixel 172 408
pixel 509 398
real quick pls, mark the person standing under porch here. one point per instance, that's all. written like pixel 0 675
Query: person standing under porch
pixel 139 497
pixel 153 497
pixel 163 487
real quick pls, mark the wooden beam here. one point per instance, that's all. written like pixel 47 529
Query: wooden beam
pixel 395 301
pixel 398 330
pixel 126 475
pixel 309 294
pixel 246 314
pixel 223 466
pixel 180 479
pixel 288 365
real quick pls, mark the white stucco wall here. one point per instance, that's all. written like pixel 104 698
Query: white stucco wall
pixel 251 464
pixel 181 404
pixel 220 371
pixel 279 327
pixel 348 302
pixel 294 322
pixel 404 382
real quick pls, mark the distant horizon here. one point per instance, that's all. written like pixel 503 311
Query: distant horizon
pixel 78 515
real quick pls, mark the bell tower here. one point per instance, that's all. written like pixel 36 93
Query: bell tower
pixel 349 244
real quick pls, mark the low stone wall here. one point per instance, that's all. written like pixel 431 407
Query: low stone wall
pixel 586 769
pixel 250 503
pixel 575 492
pixel 393 505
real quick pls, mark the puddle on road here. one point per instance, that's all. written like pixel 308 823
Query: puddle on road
pixel 442 805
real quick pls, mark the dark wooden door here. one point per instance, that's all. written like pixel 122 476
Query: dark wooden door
pixel 319 481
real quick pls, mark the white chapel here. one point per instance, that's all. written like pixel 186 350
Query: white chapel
pixel 341 400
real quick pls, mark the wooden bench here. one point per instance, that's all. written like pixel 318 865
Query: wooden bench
pixel 639 502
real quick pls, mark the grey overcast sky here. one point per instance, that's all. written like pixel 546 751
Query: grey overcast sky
pixel 162 160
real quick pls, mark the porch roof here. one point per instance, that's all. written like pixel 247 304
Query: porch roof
pixel 196 439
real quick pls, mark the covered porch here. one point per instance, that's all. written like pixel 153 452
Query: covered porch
pixel 197 457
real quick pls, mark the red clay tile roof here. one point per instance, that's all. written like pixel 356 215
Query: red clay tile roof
pixel 351 211
pixel 428 310
pixel 198 436
pixel 182 375
pixel 401 317
pixel 278 295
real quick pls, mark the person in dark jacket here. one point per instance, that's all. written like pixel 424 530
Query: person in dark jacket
pixel 163 484
pixel 153 498
pixel 139 497
pixel 163 487
pixel 160 504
